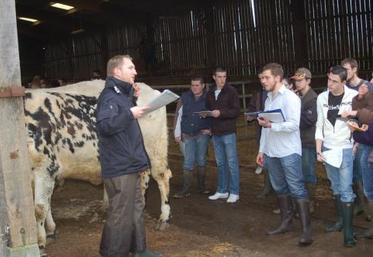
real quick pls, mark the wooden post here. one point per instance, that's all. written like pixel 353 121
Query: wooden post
pixel 300 35
pixel 15 172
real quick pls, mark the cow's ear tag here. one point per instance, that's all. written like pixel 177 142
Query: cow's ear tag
pixel 116 89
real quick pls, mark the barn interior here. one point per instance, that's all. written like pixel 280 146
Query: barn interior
pixel 170 40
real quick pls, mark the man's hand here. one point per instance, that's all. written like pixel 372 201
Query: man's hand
pixel 206 132
pixel 320 157
pixel 355 148
pixel 249 118
pixel 215 113
pixel 136 89
pixel 347 114
pixel 265 123
pixel 138 111
pixel 260 159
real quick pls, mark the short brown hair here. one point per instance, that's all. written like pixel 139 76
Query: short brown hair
pixel 197 78
pixel 115 62
pixel 220 69
pixel 275 68
pixel 353 63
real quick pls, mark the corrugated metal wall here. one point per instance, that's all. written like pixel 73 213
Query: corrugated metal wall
pixel 226 33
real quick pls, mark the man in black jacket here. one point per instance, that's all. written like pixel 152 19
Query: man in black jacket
pixel 308 117
pixel 123 158
pixel 224 103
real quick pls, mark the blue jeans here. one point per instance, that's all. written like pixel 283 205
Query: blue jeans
pixel 309 165
pixel 367 170
pixel 227 164
pixel 286 175
pixel 341 178
pixel 357 176
pixel 195 149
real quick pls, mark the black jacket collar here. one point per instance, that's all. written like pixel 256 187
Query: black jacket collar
pixel 117 84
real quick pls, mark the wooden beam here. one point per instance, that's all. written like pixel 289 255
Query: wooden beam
pixel 14 162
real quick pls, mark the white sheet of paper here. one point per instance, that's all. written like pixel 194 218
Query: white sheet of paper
pixel 163 99
pixel 333 157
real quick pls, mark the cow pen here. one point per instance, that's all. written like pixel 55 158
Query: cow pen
pixel 170 41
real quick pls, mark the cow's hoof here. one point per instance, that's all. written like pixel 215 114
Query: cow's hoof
pixel 52 236
pixel 162 226
pixel 42 252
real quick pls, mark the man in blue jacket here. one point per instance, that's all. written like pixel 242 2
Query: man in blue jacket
pixel 123 158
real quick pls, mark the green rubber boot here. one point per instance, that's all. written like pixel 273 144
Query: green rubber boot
pixel 338 225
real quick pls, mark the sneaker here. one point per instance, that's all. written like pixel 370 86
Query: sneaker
pixel 218 195
pixel 233 198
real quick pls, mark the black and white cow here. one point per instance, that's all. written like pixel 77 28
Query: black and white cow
pixel 62 143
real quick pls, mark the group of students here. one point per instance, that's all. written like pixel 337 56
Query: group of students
pixel 335 128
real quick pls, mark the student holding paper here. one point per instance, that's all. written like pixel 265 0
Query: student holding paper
pixel 334 138
pixel 354 82
pixel 224 104
pixel 195 135
pixel 281 150
pixel 362 112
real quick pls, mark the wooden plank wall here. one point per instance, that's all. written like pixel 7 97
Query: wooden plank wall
pixel 224 33
pixel 337 29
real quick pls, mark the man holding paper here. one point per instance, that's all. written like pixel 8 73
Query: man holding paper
pixel 280 151
pixel 224 104
pixel 334 148
pixel 123 158
pixel 195 134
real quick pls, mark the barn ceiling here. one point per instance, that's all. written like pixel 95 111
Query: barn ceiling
pixel 89 15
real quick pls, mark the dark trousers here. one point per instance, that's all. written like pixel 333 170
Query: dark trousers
pixel 124 228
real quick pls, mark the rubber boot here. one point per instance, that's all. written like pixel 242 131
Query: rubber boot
pixel 267 188
pixel 338 225
pixel 360 198
pixel 286 210
pixel 187 181
pixel 303 206
pixel 369 232
pixel 311 193
pixel 348 234
pixel 202 180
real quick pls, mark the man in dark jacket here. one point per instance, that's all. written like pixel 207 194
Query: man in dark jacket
pixel 123 158
pixel 195 135
pixel 308 117
pixel 224 104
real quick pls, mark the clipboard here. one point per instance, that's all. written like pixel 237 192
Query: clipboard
pixel 274 116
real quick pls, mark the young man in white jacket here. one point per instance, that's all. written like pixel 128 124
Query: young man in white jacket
pixel 334 147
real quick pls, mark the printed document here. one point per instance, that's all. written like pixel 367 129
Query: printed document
pixel 333 157
pixel 161 100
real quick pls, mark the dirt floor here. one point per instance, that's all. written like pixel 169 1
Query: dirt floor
pixel 199 227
